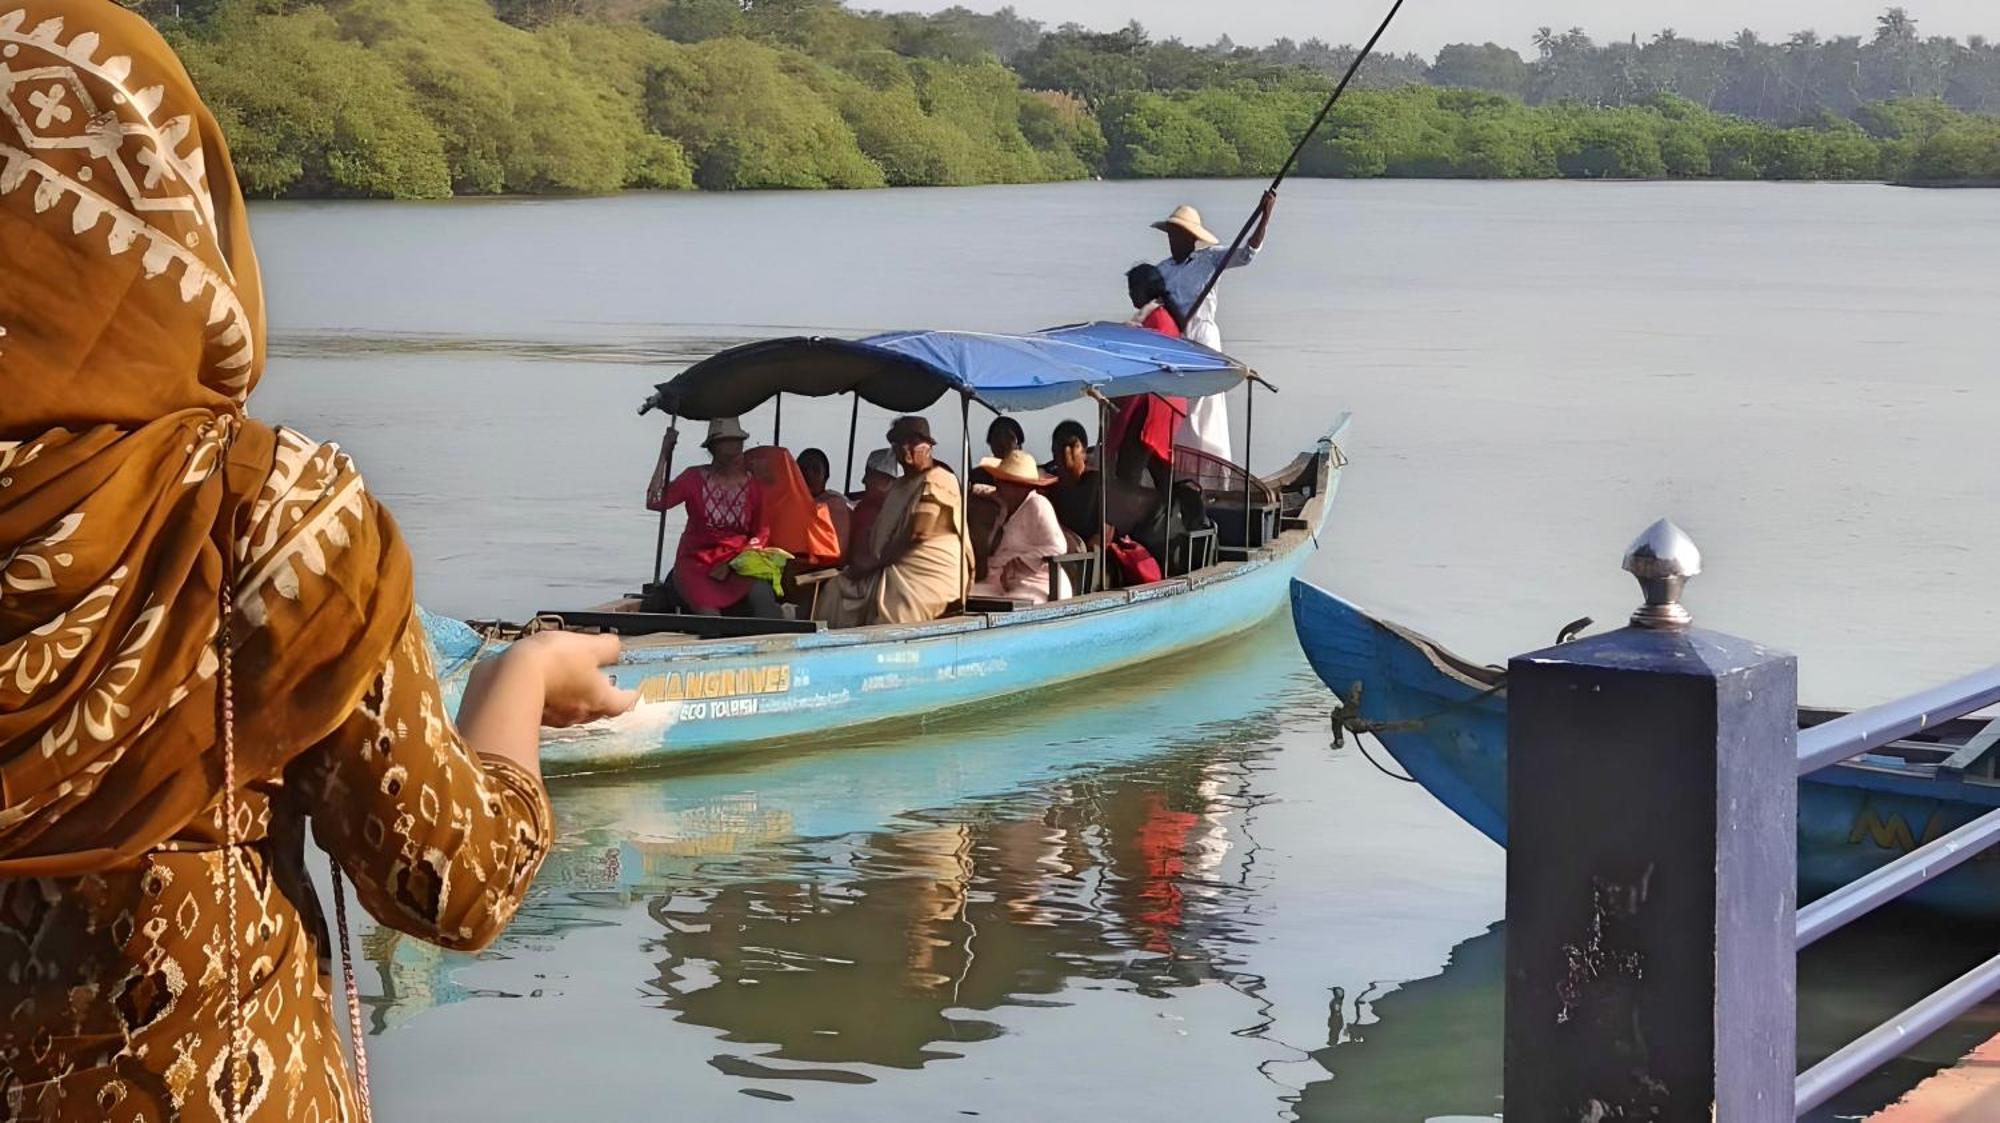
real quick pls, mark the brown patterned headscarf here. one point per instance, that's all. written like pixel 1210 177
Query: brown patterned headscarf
pixel 131 332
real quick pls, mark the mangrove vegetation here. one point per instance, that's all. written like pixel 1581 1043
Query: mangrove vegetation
pixel 427 98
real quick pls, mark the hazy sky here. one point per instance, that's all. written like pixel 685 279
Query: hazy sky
pixel 1425 25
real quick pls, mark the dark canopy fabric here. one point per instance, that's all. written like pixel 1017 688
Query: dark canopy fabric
pixel 734 382
pixel 908 371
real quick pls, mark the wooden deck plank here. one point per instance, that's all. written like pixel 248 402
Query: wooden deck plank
pixel 1965 1093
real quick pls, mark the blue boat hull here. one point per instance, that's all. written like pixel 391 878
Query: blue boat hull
pixel 713 694
pixel 1444 720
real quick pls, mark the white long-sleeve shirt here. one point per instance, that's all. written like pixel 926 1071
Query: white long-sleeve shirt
pixel 1185 280
pixel 1206 426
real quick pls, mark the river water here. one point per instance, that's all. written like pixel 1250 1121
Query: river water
pixel 1165 891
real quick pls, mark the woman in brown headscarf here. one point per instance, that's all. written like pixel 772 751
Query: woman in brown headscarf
pixel 161 953
pixel 916 560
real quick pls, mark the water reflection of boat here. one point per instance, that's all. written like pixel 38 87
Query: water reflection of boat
pixel 723 682
pixel 817 812
pixel 1448 729
pixel 948 920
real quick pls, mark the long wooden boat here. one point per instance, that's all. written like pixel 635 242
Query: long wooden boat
pixel 1444 720
pixel 712 683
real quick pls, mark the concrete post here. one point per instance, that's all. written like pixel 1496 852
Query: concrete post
pixel 1651 869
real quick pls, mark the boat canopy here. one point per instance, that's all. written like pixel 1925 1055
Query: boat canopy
pixel 907 371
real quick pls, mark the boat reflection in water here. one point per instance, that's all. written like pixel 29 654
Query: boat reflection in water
pixel 800 904
pixel 953 914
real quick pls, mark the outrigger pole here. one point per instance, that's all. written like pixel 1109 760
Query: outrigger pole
pixel 1286 169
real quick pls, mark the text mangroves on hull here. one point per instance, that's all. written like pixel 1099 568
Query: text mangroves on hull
pixel 1444 720
pixel 712 682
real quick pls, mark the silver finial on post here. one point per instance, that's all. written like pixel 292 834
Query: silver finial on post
pixel 1662 558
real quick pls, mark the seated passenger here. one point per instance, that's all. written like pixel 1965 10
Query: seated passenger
pixel 1076 496
pixel 817 470
pixel 1002 437
pixel 1030 535
pixel 916 562
pixel 799 526
pixel 876 480
pixel 725 517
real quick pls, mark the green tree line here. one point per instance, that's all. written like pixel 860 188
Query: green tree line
pixel 428 98
pixel 1427 132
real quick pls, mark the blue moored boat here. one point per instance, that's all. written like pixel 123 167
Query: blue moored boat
pixel 1444 720
pixel 708 682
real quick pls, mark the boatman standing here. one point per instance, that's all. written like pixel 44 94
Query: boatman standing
pixel 1194 258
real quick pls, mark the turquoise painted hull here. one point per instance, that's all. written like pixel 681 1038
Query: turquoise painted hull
pixel 1853 817
pixel 718 694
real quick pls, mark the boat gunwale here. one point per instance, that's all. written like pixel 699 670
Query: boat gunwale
pixel 1848 773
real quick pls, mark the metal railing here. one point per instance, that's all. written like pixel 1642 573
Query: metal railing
pixel 1847 737
pixel 1843 739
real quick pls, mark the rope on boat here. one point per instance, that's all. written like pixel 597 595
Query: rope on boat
pixel 490 633
pixel 1346 716
pixel 1370 758
pixel 1346 719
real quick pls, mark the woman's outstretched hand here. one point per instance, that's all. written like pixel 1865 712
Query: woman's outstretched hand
pixel 550 678
pixel 574 687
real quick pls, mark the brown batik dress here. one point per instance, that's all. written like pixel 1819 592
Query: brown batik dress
pixel 113 986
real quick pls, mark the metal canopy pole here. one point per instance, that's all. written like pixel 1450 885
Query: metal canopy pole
pixel 965 442
pixel 1103 466
pixel 965 482
pixel 1167 500
pixel 853 421
pixel 778 421
pixel 1249 421
pixel 660 538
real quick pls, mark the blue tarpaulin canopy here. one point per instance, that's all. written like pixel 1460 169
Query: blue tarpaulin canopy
pixel 907 371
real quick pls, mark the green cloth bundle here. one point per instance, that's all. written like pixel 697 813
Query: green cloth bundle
pixel 766 563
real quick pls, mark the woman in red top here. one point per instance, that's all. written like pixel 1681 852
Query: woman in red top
pixel 725 517
pixel 1142 433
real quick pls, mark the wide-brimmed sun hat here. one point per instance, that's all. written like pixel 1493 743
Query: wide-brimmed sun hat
pixel 724 429
pixel 1017 467
pixel 1188 219
pixel 882 462
pixel 910 427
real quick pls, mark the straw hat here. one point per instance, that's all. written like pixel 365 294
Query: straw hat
pixel 1188 219
pixel 1017 467
pixel 883 463
pixel 724 429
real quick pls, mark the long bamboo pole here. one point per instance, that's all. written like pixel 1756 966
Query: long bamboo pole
pixel 1290 161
